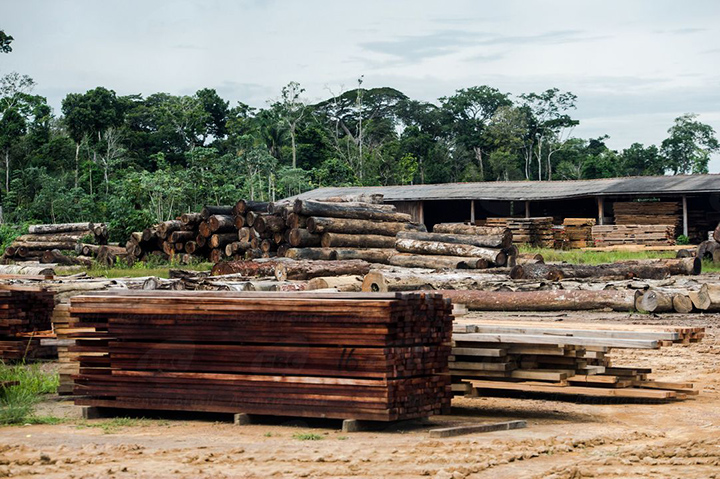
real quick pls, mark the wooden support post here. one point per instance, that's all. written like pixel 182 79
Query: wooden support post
pixel 241 419
pixel 527 209
pixel 351 425
pixel 92 412
pixel 601 211
pixel 472 212
pixel 685 215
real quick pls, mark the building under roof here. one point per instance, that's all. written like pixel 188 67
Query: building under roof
pixel 431 204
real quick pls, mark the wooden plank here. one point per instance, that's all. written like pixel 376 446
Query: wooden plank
pixel 570 340
pixel 476 428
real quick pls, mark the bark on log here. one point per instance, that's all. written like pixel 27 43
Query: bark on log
pixel 706 249
pixel 716 256
pixel 437 262
pixel 246 268
pixel 463 229
pixel 556 272
pixel 60 228
pixel 52 237
pixel 295 220
pixel 709 298
pixel 236 247
pixel 716 234
pixel 251 216
pixel 312 269
pixel 165 228
pixel 221 223
pixel 210 210
pixel 487 241
pixel 201 241
pixel 204 229
pixel 494 256
pixel 372 255
pixel 26 270
pixel 302 238
pixel 656 302
pixel 191 219
pixel 181 236
pixel 243 206
pixel 191 247
pixel 216 255
pixel 44 245
pixel 269 223
pixel 386 281
pixel 330 240
pixel 685 253
pixel 374 198
pixel 550 300
pixel 320 224
pixel 677 266
pixel 55 256
pixel 239 221
pixel 340 283
pixel 222 239
pixel 682 303
pixel 326 254
pixel 339 210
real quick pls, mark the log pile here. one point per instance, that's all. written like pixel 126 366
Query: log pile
pixel 574 233
pixel 646 235
pixel 57 243
pixel 338 355
pixel 648 213
pixel 505 358
pixel 24 316
pixel 533 231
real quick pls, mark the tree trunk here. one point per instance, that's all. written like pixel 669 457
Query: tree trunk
pixel 220 240
pixel 77 163
pixel 221 223
pixel 494 256
pixel 310 253
pixel 489 241
pixel 371 255
pixel 26 270
pixel 437 262
pixel 549 300
pixel 556 272
pixel 350 284
pixel 385 281
pixel 716 234
pixel 55 256
pixel 166 227
pixel 7 169
pixel 191 219
pixel 655 302
pixel 340 210
pixel 301 238
pixel 210 210
pixel 319 224
pixel 243 206
pixel 269 223
pixel 182 236
pixel 677 266
pixel 706 249
pixel 463 229
pixel 312 269
pixel 709 298
pixel 259 268
pixel 61 228
pixel 356 241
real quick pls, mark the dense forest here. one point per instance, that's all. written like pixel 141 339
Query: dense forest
pixel 133 160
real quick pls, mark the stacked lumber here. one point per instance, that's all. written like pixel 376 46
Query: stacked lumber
pixel 648 213
pixel 56 243
pixel 502 358
pixel 24 316
pixel 646 235
pixel 533 231
pixel 577 233
pixel 339 355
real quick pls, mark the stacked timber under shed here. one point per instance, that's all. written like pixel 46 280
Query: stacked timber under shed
pixel 25 313
pixel 533 231
pixel 574 233
pixel 506 358
pixel 67 243
pixel 375 357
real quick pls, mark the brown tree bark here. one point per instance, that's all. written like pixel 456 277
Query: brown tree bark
pixel 494 256
pixel 319 224
pixel 340 210
pixel 330 240
pixel 485 241
pixel 550 300
pixel 312 269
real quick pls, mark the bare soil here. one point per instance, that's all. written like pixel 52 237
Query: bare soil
pixel 564 440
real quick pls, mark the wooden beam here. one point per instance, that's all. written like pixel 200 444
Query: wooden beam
pixel 601 211
pixel 685 215
pixel 475 428
pixel 472 211
pixel 541 339
pixel 527 209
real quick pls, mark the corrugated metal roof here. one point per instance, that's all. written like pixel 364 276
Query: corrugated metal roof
pixel 535 190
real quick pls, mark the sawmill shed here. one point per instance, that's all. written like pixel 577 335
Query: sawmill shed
pixel 697 197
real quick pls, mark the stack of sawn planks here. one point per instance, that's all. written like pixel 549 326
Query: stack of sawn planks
pixel 66 243
pixel 25 313
pixel 574 233
pixel 374 357
pixel 646 235
pixel 533 231
pixel 648 213
pixel 502 358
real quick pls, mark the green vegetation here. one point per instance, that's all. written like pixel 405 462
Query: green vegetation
pixel 135 160
pixel 161 269
pixel 308 437
pixel 17 402
pixel 114 425
pixel 578 256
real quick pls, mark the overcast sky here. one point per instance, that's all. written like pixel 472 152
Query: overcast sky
pixel 634 65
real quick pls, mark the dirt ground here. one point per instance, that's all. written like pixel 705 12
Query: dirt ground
pixel 563 440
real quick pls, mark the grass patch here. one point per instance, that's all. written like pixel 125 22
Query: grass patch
pixel 111 426
pixel 307 436
pixel 140 269
pixel 17 403
pixel 577 256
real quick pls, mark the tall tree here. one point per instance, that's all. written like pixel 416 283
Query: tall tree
pixel 292 110
pixel 689 146
pixel 5 41
pixel 12 128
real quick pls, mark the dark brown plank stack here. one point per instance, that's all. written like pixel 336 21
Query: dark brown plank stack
pixel 24 311
pixel 363 356
pixel 533 231
pixel 648 213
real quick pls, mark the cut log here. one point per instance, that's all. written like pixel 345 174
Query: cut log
pixel 26 270
pixel 716 234
pixel 243 206
pixel 677 266
pixel 302 238
pixel 685 253
pixel 706 249
pixel 682 303
pixel 330 240
pixel 709 298
pixel 340 210
pixel 295 220
pixel 716 256
pixel 246 268
pixel 191 219
pixel 60 228
pixel 556 272
pixel 239 221
pixel 222 239
pixel 371 255
pixel 487 241
pixel 463 229
pixel 55 256
pixel 319 224
pixel 181 236
pixel 221 223
pixel 236 247
pixel 494 256
pixel 269 223
pixel 387 281
pixel 42 245
pixel 437 262
pixel 299 270
pixel 166 227
pixel 374 198
pixel 656 302
pixel 210 210
pixel 53 237
pixel 311 253
pixel 340 283
pixel 550 300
